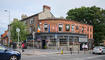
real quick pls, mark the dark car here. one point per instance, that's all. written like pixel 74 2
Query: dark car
pixel 9 54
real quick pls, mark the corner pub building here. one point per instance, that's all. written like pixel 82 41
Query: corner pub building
pixel 62 33
pixel 56 33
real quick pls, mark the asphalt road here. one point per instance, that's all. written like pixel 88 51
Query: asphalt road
pixel 64 57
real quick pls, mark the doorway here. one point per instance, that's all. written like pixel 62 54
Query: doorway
pixel 43 44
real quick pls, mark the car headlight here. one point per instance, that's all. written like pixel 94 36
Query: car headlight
pixel 18 52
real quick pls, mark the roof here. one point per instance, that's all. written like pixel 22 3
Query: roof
pixel 30 16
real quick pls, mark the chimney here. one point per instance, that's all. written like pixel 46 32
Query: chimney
pixel 23 16
pixel 46 8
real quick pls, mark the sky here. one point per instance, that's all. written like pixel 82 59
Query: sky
pixel 30 7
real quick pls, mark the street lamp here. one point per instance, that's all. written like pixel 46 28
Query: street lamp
pixel 18 30
pixel 8 27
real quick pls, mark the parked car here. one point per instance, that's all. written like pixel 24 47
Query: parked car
pixel 99 50
pixel 9 54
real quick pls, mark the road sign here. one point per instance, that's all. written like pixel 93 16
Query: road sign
pixel 17 29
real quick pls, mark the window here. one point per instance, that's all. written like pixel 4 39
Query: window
pixel 52 41
pixel 91 36
pixel 87 28
pixel 45 27
pixel 72 28
pixel 77 27
pixel 76 39
pixel 31 21
pixel 67 27
pixel 82 29
pixel 31 29
pixel 70 38
pixel 60 27
pixel 25 23
pixel 90 29
pixel 63 41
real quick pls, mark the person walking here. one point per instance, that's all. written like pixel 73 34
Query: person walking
pixel 22 47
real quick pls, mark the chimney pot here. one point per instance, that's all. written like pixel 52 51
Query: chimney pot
pixel 46 7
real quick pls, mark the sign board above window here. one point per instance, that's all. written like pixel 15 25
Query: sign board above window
pixel 83 39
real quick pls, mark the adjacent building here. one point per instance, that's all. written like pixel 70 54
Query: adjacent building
pixel 4 38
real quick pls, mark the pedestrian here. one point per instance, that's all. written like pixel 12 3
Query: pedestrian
pixel 86 47
pixel 22 47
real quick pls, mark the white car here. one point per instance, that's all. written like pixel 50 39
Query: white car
pixel 99 50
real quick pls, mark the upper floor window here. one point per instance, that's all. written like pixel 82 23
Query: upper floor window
pixel 31 21
pixel 60 27
pixel 87 28
pixel 45 27
pixel 72 28
pixel 67 27
pixel 25 22
pixel 90 29
pixel 30 29
pixel 82 29
pixel 77 27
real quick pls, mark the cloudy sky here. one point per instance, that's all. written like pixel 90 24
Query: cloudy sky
pixel 30 7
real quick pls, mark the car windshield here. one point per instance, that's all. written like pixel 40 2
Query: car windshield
pixel 2 48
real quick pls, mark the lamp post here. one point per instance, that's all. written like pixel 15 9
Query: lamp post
pixel 18 30
pixel 9 34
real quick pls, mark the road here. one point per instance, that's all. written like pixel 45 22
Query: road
pixel 64 57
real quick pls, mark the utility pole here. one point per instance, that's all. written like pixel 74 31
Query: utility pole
pixel 9 33
pixel 33 38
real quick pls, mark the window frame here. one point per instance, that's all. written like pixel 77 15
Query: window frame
pixel 45 27
pixel 59 29
pixel 66 27
pixel 72 27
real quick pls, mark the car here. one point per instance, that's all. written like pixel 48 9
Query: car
pixel 9 54
pixel 99 50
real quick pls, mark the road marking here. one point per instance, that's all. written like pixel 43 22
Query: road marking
pixel 95 56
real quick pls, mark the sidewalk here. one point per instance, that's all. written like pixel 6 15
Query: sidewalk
pixel 50 51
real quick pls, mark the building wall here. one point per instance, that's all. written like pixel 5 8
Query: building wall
pixel 31 24
pixel 42 15
pixel 45 13
pixel 88 29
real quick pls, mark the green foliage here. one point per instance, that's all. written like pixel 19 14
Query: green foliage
pixel 93 16
pixel 23 33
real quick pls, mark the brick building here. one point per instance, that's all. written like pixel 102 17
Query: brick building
pixel 64 34
pixel 57 33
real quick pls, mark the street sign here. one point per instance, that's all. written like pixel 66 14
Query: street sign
pixel 17 30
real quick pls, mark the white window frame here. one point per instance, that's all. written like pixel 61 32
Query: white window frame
pixel 44 27
pixel 62 27
pixel 72 28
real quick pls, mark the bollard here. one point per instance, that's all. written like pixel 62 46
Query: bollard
pixel 61 51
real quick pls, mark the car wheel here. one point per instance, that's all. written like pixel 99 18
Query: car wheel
pixel 13 57
pixel 93 53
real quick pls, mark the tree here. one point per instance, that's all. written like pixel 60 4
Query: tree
pixel 93 16
pixel 23 33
